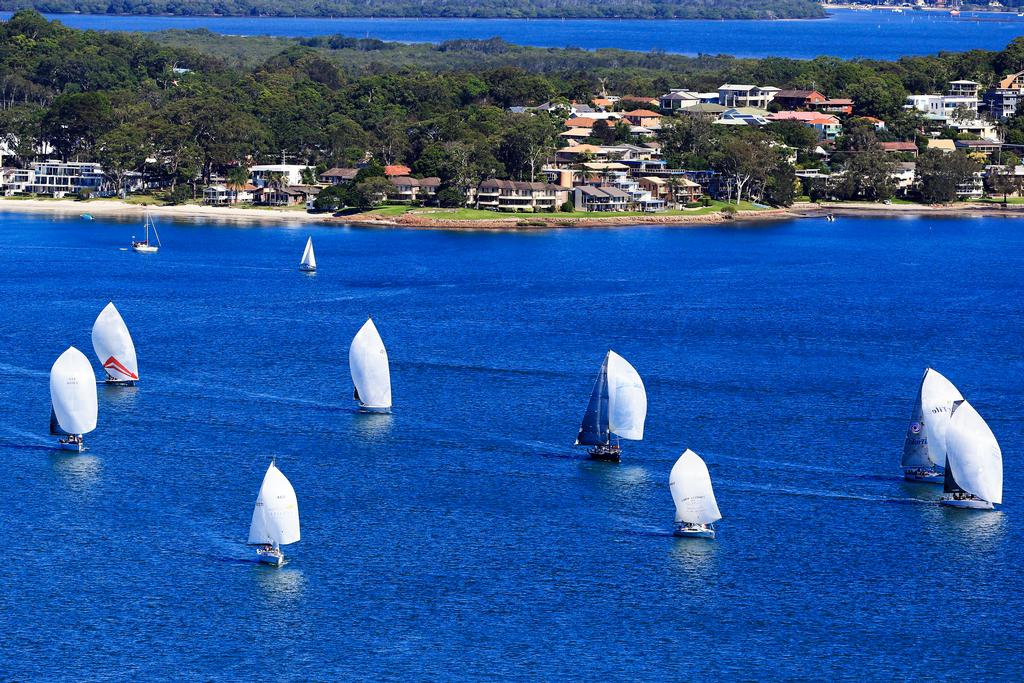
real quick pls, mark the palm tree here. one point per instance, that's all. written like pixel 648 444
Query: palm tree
pixel 236 180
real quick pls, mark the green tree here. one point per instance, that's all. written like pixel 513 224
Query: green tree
pixel 941 173
pixel 235 180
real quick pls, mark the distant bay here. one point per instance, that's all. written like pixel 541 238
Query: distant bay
pixel 845 33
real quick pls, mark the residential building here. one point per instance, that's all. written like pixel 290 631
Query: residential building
pixel 942 144
pixel 904 176
pixel 900 148
pixel 63 177
pixel 1003 103
pixel 1012 82
pixel 580 122
pixel 290 173
pixel 838 105
pixel 221 195
pixel 397 170
pixel 408 189
pixel 798 99
pixel 986 130
pixel 737 95
pixel 590 198
pixel 576 135
pixel 973 188
pixel 964 89
pixel 827 126
pixel 675 100
pixel 673 190
pixel 747 116
pixel 513 195
pixel 980 149
pixel 293 195
pixel 338 176
pixel 15 180
pixel 710 111
pixel 643 117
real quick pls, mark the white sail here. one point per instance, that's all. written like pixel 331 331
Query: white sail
pixel 368 363
pixel 275 519
pixel 973 454
pixel 113 345
pixel 937 398
pixel 690 484
pixel 627 399
pixel 73 392
pixel 308 257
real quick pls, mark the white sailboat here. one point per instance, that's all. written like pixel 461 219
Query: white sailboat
pixel 275 518
pixel 114 348
pixel 696 507
pixel 145 246
pixel 308 263
pixel 618 405
pixel 924 449
pixel 974 462
pixel 73 403
pixel 371 374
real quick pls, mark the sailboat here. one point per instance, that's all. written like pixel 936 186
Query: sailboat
pixel 974 463
pixel 618 405
pixel 371 374
pixel 73 403
pixel 308 263
pixel 696 507
pixel 145 246
pixel 924 448
pixel 114 348
pixel 275 518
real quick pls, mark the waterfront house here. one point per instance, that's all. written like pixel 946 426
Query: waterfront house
pixel 739 95
pixel 408 189
pixel 672 190
pixel 514 195
pixel 338 176
pixel 973 187
pixel 904 176
pixel 221 195
pixel 980 149
pixel 293 195
pixel 15 180
pixel 59 178
pixel 291 174
pixel 590 198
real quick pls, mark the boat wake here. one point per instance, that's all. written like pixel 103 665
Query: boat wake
pixel 830 495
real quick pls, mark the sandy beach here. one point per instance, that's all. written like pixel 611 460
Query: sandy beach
pixel 500 221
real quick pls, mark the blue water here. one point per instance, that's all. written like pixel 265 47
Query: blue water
pixel 845 33
pixel 463 536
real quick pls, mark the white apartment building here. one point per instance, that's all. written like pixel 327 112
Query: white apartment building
pixel 292 173
pixel 59 178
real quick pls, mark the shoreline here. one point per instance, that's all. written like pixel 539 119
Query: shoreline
pixel 501 222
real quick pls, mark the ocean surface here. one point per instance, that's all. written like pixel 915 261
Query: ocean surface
pixel 463 537
pixel 845 33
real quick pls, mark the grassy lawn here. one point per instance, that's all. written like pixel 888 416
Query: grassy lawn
pixel 467 214
pixel 994 200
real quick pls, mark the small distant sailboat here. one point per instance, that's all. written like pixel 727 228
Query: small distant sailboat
pixel 696 507
pixel 974 462
pixel 924 449
pixel 73 402
pixel 275 518
pixel 145 246
pixel 308 263
pixel 618 405
pixel 114 348
pixel 371 374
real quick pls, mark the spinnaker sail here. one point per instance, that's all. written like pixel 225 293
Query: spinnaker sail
pixel 275 518
pixel 113 345
pixel 368 364
pixel 73 392
pixel 690 483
